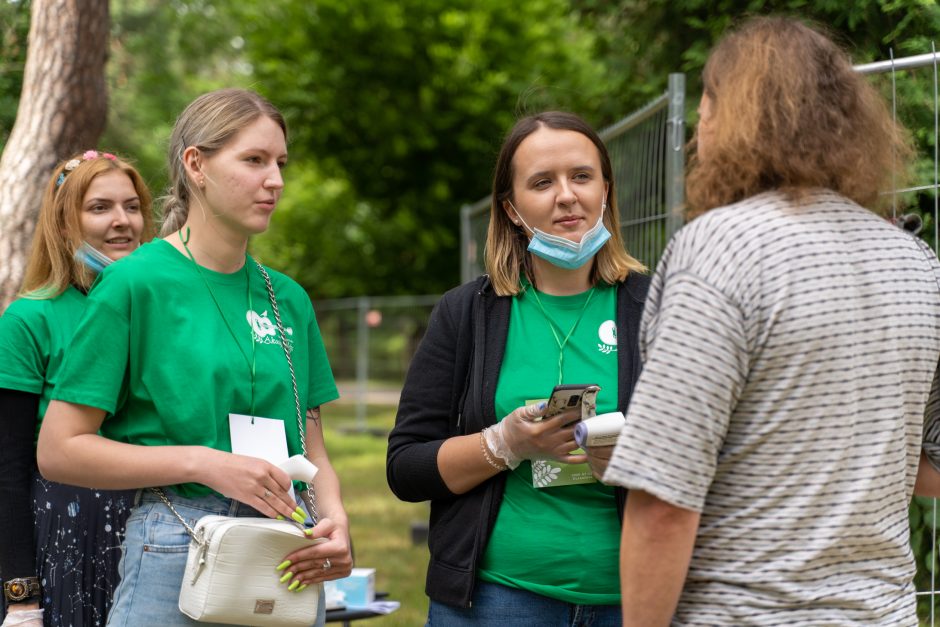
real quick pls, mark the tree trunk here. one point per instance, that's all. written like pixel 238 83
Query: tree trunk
pixel 63 109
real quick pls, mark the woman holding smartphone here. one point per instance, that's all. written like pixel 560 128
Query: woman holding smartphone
pixel 521 531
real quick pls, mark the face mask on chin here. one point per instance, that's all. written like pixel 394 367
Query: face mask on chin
pixel 561 251
pixel 92 258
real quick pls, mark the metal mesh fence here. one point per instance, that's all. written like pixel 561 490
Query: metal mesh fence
pixel 911 86
pixel 370 341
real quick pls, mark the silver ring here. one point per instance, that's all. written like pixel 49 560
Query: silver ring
pixel 267 493
pixel 326 564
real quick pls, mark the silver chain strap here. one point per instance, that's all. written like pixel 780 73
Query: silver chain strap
pixel 198 538
pixel 308 496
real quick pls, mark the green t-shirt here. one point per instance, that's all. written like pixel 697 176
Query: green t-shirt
pixel 34 334
pixel 561 542
pixel 153 348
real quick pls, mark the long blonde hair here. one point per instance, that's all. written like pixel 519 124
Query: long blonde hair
pixel 52 266
pixel 790 113
pixel 208 123
pixel 507 257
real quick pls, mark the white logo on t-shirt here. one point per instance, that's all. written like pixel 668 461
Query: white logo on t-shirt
pixel 607 333
pixel 264 330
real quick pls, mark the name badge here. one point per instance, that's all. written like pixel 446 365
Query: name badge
pixel 259 437
pixel 548 473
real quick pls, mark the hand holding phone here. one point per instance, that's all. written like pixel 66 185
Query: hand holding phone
pixel 521 434
pixel 569 396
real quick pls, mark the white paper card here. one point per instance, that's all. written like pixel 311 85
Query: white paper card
pixel 259 437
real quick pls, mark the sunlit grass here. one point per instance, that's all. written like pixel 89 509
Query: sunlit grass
pixel 380 523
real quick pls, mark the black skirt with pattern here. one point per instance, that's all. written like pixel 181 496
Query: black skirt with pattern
pixel 79 532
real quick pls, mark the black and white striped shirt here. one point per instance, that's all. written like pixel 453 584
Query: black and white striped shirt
pixel 789 352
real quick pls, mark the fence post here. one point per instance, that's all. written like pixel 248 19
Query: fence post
pixel 362 362
pixel 675 154
pixel 465 237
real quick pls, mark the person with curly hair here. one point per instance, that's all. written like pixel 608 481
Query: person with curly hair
pixel 790 341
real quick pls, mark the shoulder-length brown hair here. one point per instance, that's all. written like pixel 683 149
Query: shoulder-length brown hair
pixel 790 114
pixel 52 266
pixel 507 257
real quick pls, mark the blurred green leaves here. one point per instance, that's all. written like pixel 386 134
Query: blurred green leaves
pixel 396 109
pixel 14 27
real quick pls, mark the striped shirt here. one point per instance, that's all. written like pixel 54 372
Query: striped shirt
pixel 789 353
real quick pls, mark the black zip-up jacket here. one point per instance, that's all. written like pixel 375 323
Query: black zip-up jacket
pixel 450 390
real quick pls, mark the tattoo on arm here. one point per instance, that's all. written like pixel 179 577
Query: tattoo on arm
pixel 314 414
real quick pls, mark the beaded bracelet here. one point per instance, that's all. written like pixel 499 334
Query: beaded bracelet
pixel 488 456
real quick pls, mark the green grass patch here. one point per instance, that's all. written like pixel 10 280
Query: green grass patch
pixel 380 524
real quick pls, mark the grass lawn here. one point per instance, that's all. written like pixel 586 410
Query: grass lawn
pixel 380 523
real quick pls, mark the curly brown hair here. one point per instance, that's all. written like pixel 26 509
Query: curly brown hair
pixel 790 113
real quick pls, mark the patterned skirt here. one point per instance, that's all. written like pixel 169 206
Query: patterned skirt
pixel 79 532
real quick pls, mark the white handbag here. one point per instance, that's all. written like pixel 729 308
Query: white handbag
pixel 230 572
pixel 230 576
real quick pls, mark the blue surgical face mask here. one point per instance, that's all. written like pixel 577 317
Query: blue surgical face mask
pixel 563 252
pixel 92 258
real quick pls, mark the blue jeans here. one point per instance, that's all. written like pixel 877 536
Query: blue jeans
pixel 154 557
pixel 497 605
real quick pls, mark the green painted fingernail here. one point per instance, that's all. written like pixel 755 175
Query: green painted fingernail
pixel 299 509
pixel 283 565
pixel 286 576
pixel 301 588
pixel 293 586
pixel 298 517
pixel 279 517
pixel 309 532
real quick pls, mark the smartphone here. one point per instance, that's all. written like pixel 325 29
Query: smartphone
pixel 569 396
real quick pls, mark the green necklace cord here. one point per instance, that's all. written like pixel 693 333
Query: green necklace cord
pixel 561 343
pixel 249 360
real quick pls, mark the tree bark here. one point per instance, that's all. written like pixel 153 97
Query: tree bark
pixel 62 109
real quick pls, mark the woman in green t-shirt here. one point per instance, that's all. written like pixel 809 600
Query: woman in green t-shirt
pixel 521 531
pixel 195 370
pixel 95 210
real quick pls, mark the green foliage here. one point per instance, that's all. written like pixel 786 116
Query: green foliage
pixel 164 54
pixel 14 27
pixel 408 101
pixel 924 516
pixel 397 109
pixel 644 40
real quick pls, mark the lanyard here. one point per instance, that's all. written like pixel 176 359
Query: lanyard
pixel 251 360
pixel 555 331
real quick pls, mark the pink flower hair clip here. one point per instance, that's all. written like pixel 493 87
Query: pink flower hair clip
pixel 74 163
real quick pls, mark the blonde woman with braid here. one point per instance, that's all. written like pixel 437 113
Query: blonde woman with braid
pixel 188 358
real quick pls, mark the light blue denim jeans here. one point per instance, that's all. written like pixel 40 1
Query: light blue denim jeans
pixel 496 605
pixel 154 557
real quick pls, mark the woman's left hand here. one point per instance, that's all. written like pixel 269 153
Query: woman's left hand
pixel 321 561
pixel 597 458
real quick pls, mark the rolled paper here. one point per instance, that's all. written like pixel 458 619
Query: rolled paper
pixel 602 430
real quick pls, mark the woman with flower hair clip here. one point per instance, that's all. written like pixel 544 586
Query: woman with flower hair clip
pixel 96 209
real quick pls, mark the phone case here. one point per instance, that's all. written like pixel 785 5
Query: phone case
pixel 568 396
